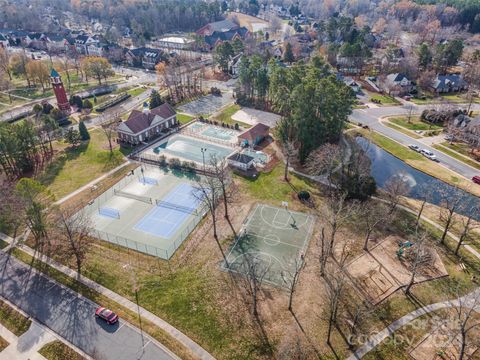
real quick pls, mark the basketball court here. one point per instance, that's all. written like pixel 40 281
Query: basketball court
pixel 275 239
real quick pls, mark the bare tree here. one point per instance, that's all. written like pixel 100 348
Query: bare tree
pixel 206 190
pixel 420 257
pixel 223 175
pixel 373 214
pixel 292 277
pixel 335 282
pixel 450 203
pixel 255 272
pixel 12 211
pixel 337 212
pixel 325 161
pixel 465 309
pixel 5 62
pixel 76 231
pixel 395 188
pixel 325 252
pixel 290 152
pixel 109 128
pixel 468 225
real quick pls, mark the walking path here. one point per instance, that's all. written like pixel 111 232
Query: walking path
pixel 172 331
pixel 91 183
pixel 470 299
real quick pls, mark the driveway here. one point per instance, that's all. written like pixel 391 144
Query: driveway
pixel 71 316
pixel 372 116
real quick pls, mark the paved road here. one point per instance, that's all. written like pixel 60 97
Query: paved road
pixel 71 316
pixel 372 116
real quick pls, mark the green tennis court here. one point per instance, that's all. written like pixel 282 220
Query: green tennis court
pixel 272 239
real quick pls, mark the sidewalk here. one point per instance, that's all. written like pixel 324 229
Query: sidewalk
pixel 172 331
pixel 26 346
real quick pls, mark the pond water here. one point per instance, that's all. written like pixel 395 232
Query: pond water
pixel 385 166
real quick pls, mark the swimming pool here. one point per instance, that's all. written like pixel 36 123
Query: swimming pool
pixel 191 149
pixel 213 132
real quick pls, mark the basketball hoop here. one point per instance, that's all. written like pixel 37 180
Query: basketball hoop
pixel 285 204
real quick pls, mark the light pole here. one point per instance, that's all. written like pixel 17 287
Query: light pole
pixel 128 267
pixel 203 157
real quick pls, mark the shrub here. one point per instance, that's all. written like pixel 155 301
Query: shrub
pixel 303 195
pixel 163 160
pixel 237 127
pixel 175 163
pixel 87 104
pixel 84 135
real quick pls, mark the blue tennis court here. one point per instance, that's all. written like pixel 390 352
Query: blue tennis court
pixel 170 213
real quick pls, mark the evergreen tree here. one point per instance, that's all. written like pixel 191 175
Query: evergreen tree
pixel 288 57
pixel 84 135
pixel 238 46
pixel 424 56
pixel 155 99
pixel 73 137
pixel 222 55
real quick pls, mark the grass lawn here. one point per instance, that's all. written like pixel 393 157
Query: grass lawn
pixel 402 130
pixel 419 162
pixel 136 91
pixel 3 343
pixel 225 116
pixel 184 118
pixel 414 124
pixel 453 154
pixel 459 147
pixel 13 320
pixel 453 98
pixel 75 167
pixel 57 350
pixel 270 186
pixel 384 99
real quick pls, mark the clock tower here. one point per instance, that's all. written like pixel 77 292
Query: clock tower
pixel 59 90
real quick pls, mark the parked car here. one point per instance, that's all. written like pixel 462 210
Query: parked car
pixel 106 314
pixel 428 154
pixel 476 179
pixel 407 97
pixel 414 147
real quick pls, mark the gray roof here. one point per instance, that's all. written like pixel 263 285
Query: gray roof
pixel 397 77
pixel 223 25
pixel 241 158
pixel 448 81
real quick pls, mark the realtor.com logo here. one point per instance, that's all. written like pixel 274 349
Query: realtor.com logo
pixel 443 330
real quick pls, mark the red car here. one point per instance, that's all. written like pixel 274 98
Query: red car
pixel 476 179
pixel 108 315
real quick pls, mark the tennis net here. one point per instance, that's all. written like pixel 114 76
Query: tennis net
pixel 181 208
pixel 145 199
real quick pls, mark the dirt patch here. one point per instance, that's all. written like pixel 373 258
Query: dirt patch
pixel 377 274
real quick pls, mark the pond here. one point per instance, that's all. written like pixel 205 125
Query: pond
pixel 385 166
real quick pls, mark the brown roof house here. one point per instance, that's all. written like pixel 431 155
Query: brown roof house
pixel 254 135
pixel 147 124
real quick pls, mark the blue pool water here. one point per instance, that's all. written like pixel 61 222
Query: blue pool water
pixel 191 149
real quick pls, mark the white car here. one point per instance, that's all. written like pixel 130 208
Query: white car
pixel 428 154
pixel 414 147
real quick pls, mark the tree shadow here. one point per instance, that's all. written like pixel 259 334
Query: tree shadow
pixel 312 344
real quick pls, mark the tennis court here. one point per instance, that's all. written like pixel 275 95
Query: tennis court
pixel 151 211
pixel 274 240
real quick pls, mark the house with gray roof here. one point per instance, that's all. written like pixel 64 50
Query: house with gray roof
pixel 147 124
pixel 399 84
pixel 218 26
pixel 3 41
pixel 449 83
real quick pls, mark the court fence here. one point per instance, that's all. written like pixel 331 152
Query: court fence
pixel 161 252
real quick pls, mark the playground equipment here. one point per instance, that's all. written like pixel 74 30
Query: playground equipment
pixel 402 247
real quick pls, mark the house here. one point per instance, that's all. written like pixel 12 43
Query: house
pixel 466 128
pixel 81 43
pixel 254 136
pixel 95 49
pixel 241 161
pixel 216 38
pixel 36 41
pixel 350 82
pixel 218 26
pixel 55 42
pixel 449 83
pixel 3 41
pixel 147 124
pixel 399 84
pixel 144 57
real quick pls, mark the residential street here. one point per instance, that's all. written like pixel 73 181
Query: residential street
pixel 372 116
pixel 72 316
